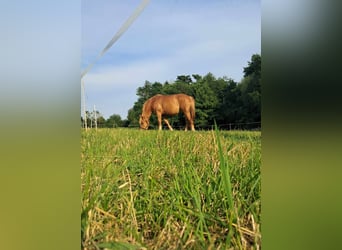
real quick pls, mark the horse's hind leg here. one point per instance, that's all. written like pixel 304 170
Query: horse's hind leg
pixel 189 122
pixel 168 124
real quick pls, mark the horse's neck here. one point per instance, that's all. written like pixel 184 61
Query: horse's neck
pixel 147 110
pixel 147 114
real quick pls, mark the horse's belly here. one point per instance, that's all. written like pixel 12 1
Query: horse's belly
pixel 171 110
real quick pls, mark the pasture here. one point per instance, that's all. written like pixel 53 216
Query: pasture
pixel 170 189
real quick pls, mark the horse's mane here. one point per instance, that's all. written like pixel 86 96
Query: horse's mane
pixel 147 105
pixel 150 101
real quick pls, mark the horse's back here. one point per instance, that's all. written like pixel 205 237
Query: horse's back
pixel 186 100
pixel 172 103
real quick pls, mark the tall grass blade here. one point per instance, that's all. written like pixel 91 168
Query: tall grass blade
pixel 224 170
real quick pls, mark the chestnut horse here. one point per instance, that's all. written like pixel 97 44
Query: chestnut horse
pixel 168 105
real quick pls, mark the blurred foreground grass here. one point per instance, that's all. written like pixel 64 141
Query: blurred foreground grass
pixel 164 190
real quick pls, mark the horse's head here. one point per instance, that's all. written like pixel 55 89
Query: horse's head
pixel 144 122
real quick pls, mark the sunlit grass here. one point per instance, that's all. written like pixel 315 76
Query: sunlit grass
pixel 169 190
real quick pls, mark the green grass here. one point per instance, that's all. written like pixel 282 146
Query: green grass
pixel 170 190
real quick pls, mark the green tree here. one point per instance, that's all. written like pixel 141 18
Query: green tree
pixel 133 115
pixel 218 86
pixel 156 88
pixel 250 91
pixel 221 99
pixel 227 111
pixel 145 92
pixel 254 66
pixel 101 122
pixel 197 77
pixel 184 78
pixel 206 101
pixel 114 121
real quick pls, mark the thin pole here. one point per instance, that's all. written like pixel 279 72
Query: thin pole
pixel 84 106
pixel 95 118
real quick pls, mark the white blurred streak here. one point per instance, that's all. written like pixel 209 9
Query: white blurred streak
pixel 122 30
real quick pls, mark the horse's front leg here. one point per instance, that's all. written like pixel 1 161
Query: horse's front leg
pixel 159 121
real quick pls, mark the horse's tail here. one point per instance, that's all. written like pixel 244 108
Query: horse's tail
pixel 192 109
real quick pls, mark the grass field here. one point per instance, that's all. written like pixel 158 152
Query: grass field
pixel 170 189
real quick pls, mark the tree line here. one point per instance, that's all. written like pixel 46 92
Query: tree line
pixel 233 105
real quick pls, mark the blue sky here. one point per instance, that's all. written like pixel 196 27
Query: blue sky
pixel 168 39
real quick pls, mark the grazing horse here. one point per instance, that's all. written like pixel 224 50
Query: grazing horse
pixel 168 105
